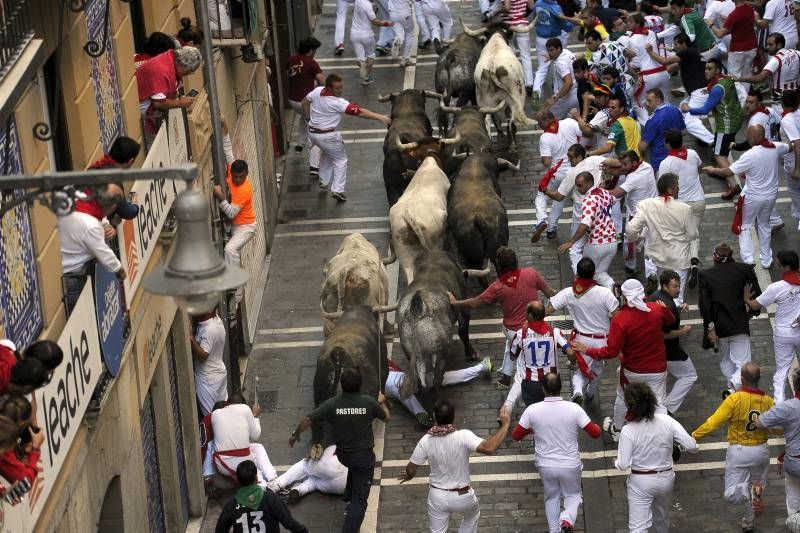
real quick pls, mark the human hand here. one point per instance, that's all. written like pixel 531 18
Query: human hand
pixel 712 337
pixel 224 124
pixel 563 248
pixel 748 291
pixel 574 113
pixel 381 398
pixel 686 329
pixel 37 437
pixel 505 418
pixel 109 231
pixel 649 48
pixel 571 355
pixel 257 410
pixel 683 308
pixel 185 101
pixel 402 478
pixel 121 274
pixel 386 120
pixel 217 192
pixel 451 297
pixel 577 345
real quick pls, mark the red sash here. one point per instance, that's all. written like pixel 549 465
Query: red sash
pixel 579 359
pixel 231 475
pixel 736 225
pixel 549 175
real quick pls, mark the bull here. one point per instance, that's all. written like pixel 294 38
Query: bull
pixel 355 275
pixel 355 342
pixel 477 221
pixel 409 123
pixel 426 321
pixel 454 75
pixel 417 221
pixel 470 125
pixel 498 75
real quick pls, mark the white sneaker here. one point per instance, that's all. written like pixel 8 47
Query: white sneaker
pixel 396 47
pixel 274 486
pixel 610 428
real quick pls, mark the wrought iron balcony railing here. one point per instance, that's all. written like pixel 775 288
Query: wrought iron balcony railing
pixel 16 31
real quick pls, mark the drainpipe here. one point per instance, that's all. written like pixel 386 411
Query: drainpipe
pixel 220 171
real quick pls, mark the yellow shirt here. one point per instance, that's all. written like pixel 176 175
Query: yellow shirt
pixel 740 410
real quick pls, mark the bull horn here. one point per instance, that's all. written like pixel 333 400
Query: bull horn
pixel 448 109
pixel 522 29
pixel 475 273
pixel 329 315
pixel 492 110
pixel 406 146
pixel 433 94
pixel 384 308
pixel 508 164
pixel 460 155
pixel 469 31
pixel 454 140
pixel 409 174
pixel 391 258
pixel 387 97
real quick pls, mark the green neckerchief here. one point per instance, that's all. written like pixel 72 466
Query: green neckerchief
pixel 250 496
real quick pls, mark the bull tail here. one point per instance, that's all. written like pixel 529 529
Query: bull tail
pixel 483 228
pixel 412 223
pixel 328 374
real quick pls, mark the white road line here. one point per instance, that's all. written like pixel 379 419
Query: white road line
pixel 384 65
pixel 331 62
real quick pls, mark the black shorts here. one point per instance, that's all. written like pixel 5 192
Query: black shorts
pixel 722 143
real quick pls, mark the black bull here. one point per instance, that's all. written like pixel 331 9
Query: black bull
pixel 470 125
pixel 454 76
pixel 355 342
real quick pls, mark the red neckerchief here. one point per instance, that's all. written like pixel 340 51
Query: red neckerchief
pixel 687 10
pixel 713 82
pixel 797 395
pixel 441 431
pixel 92 207
pixel 326 92
pixel 540 327
pixel 393 366
pixel 596 22
pixel 640 31
pixel 104 162
pixel 635 168
pixel 611 119
pixel 751 390
pixel 581 285
pixel 510 278
pixel 552 127
pixel 681 153
pixel 786 112
pixel 666 197
pixel 766 143
pixel 793 277
pixel 761 109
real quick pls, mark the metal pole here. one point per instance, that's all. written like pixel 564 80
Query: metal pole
pixel 220 171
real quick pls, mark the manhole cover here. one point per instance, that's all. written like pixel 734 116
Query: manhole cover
pixel 299 188
pixel 268 400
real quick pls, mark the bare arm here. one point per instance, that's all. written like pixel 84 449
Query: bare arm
pixel 366 113
pixel 410 472
pixel 606 148
pixel 171 103
pixel 490 445
pixel 565 89
pixel 683 330
pixel 306 109
pixel 721 172
pixel 197 351
pixel 755 78
pixel 304 424
pixel 548 290
pixel 470 303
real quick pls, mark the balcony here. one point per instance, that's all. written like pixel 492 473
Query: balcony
pixel 231 22
pixel 22 54
pixel 16 31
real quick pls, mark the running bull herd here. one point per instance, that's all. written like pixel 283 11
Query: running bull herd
pixel 446 222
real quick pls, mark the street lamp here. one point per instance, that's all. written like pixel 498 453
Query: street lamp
pixel 194 275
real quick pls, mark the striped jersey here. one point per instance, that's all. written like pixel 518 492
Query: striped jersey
pixel 740 411
pixel 785 69
pixel 516 15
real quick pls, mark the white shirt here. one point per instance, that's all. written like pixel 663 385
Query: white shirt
pixel 83 239
pixel 780 13
pixel 762 166
pixel 448 456
pixel 716 12
pixel 770 121
pixel 638 185
pixel 590 164
pixel 555 423
pixel 363 15
pixel 234 427
pixel 689 187
pixel 400 7
pixel 562 68
pixel 638 43
pixel 599 124
pixel 790 132
pixel 211 338
pixel 787 298
pixel 555 145
pixel 590 311
pixel 647 444
pixel 326 110
pixel 785 69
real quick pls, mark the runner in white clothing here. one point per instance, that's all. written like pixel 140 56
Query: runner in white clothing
pixel 338 30
pixel 555 424
pixel 210 375
pixel 783 66
pixel 324 107
pixel 400 12
pixel 447 449
pixel 646 447
pixel 591 307
pixel 779 18
pixel 790 134
pixel 564 88
pixel 325 474
pixel 439 20
pixel 786 326
pixel 654 75
pixel 363 38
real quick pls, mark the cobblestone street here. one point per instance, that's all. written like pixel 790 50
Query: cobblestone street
pixel 290 333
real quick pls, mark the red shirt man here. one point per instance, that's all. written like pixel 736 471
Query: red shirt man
pixel 740 24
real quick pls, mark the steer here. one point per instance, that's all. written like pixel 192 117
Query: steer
pixel 498 75
pixel 355 275
pixel 454 76
pixel 470 125
pixel 355 342
pixel 476 217
pixel 426 321
pixel 417 221
pixel 409 123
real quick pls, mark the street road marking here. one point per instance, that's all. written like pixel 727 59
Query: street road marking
pixel 331 62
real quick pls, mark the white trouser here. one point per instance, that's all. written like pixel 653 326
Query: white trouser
pixel 363 44
pixel 436 12
pixel 341 19
pixel 451 377
pixel 734 353
pixel 685 375
pixel 740 65
pixel 657 383
pixel 240 235
pixel 540 202
pixel 403 32
pixel 698 212
pixel 490 6
pixel 649 500
pixel 509 366
pixel 694 125
pixel 302 136
pixel 225 464
pixel 210 392
pixel 616 216
pixel 629 247
pixel 422 24
pixel 561 483
pixel 561 108
pixel 523 43
pixel 792 185
pixel 386 34
pixel 756 213
pixel 332 160
pixel 745 465
pixel 792 485
pixel 325 475
pixel 218 16
pixel 580 383
pixel 441 503
pixel 683 273
pixel 542 62
pixel 602 255
pixel 785 350
pixel 576 250
pixel 656 80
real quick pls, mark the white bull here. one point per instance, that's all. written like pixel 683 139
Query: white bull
pixel 419 218
pixel 355 275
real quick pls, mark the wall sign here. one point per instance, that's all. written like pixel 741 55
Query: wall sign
pixel 104 77
pixel 110 318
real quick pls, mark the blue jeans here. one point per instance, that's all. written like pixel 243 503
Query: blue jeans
pixel 360 471
pixel 73 285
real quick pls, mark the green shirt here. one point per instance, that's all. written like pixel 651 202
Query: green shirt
pixel 698 31
pixel 625 135
pixel 350 415
pixel 728 115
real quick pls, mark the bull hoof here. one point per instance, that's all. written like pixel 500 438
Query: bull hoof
pixel 315 452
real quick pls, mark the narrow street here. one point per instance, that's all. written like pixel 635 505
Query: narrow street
pixel 290 334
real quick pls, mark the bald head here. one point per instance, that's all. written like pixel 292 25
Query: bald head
pixel 552 384
pixel 751 373
pixel 755 134
pixel 535 311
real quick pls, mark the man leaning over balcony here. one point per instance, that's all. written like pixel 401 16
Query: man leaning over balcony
pixel 158 81
pixel 83 242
